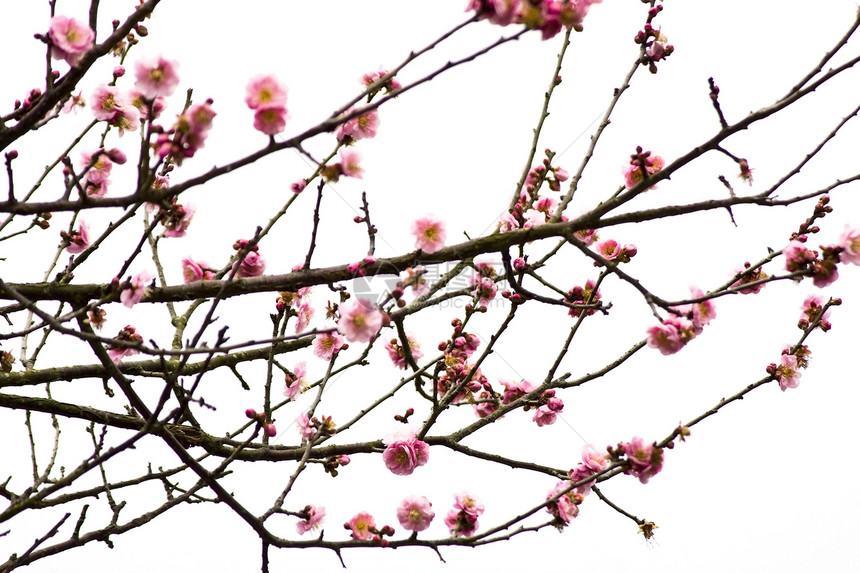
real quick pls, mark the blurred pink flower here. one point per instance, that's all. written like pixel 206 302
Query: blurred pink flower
pixel 70 39
pixel 78 239
pixel 429 234
pixel 127 334
pixel 156 76
pixel 265 91
pixel 195 271
pixel 415 513
pixel 788 372
pixel 132 294
pixel 849 240
pixel 314 518
pixel 359 320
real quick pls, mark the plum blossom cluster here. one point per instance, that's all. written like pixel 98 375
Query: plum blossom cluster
pixel 116 108
pixel 362 126
pixel 404 452
pixel 587 296
pixel 297 304
pixel 657 46
pixel 415 513
pixel 548 16
pixel 820 266
pixel 787 372
pixel 462 520
pixel 391 85
pixel 565 505
pixel 127 335
pixel 678 329
pixel 592 463
pixel 642 166
pixel 96 169
pixel 268 428
pixel 70 39
pixel 295 381
pixel 484 282
pixel 533 209
pixel 309 427
pixel 349 165
pixel 267 98
pixel 176 218
pixel 815 314
pixel 188 134
pixel 643 460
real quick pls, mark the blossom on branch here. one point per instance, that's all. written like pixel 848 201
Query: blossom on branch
pixel 404 453
pixel 136 288
pixel 415 513
pixel 127 334
pixel 462 521
pixel 644 460
pixel 70 39
pixel 360 320
pixel 313 518
pixel 362 526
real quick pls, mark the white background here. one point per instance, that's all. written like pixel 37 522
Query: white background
pixel 767 485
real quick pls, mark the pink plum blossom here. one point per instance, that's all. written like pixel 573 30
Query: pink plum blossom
pixel 849 240
pixel 566 507
pixel 78 240
pixel 499 12
pixel 156 76
pixel 788 372
pixel 515 390
pixel 304 313
pixel 195 271
pixel 359 320
pixel 350 163
pixel 645 460
pixel 127 334
pixel 314 516
pixel 398 354
pixel 544 416
pixel 462 521
pixel 797 256
pixel 583 295
pixel 253 265
pixel 295 381
pixel 362 526
pixel 703 312
pixel 327 345
pixel 306 429
pixel 177 220
pixel 265 91
pixel 70 39
pixel 271 120
pixel 97 164
pixel 670 336
pixel 362 126
pixel 415 513
pixel 429 234
pixel 404 453
pixel 633 174
pixel 812 307
pixel 754 276
pixel 133 293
